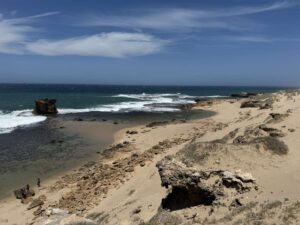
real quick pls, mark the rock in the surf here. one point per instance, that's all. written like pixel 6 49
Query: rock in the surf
pixel 45 106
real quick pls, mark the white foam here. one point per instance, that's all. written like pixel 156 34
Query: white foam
pixel 12 120
pixel 144 103
pixel 142 106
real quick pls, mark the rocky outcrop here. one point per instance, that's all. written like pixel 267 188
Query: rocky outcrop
pixel 45 106
pixel 256 104
pixel 24 192
pixel 265 137
pixel 192 187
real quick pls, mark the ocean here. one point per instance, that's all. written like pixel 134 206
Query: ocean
pixel 17 100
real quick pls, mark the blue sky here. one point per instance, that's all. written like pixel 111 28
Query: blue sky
pixel 208 42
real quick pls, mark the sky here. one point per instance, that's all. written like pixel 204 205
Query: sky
pixel 179 42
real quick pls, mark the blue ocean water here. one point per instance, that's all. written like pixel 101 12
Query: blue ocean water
pixel 17 100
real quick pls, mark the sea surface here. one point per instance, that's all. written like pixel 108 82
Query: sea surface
pixel 17 100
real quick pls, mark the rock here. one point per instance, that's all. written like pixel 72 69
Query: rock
pixel 55 211
pixel 45 106
pixel 193 187
pixel 257 104
pixel 236 203
pixel 250 104
pixel 243 95
pixel 273 132
pixel 38 183
pixel 24 192
pixel 131 132
pixel 35 203
pixel 277 117
pixel 291 130
pixel 38 211
pixel 245 177
pixel 137 210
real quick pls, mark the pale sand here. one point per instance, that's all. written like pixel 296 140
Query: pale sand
pixel 277 175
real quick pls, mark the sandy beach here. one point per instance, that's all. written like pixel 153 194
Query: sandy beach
pixel 238 166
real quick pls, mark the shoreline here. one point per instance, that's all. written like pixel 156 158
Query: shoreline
pixel 71 131
pixel 128 190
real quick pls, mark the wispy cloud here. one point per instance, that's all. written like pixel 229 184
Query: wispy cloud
pixel 18 35
pixel 15 32
pixel 178 19
pixel 16 38
pixel 114 44
pixel 257 39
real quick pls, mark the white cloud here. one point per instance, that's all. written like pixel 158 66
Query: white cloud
pixel 114 44
pixel 183 19
pixel 15 32
pixel 16 38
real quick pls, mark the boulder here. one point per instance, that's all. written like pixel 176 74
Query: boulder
pixel 24 192
pixel 190 187
pixel 45 106
pixel 250 104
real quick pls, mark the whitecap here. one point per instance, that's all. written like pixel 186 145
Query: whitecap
pixel 12 120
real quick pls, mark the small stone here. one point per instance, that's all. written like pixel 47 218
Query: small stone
pixel 137 210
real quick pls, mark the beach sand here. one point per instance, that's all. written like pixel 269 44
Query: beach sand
pixel 122 184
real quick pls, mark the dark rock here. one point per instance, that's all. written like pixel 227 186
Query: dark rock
pixel 131 132
pixel 250 104
pixel 257 104
pixel 137 210
pixel 38 182
pixel 38 211
pixel 24 192
pixel 236 203
pixel 45 106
